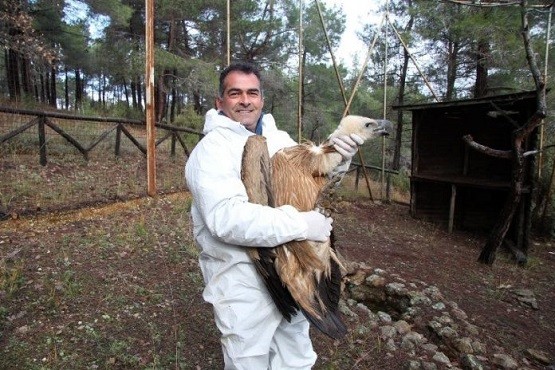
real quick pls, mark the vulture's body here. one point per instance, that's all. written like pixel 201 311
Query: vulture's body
pixel 303 275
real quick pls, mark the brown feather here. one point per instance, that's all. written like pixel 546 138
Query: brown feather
pixel 309 272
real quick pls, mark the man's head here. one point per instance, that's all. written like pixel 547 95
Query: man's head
pixel 240 94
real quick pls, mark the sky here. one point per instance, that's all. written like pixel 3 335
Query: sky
pixel 359 13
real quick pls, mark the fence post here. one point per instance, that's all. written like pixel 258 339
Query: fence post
pixel 42 141
pixel 173 140
pixel 356 178
pixel 118 140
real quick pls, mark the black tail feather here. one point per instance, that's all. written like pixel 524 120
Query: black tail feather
pixel 279 292
pixel 330 324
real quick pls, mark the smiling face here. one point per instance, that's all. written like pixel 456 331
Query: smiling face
pixel 242 99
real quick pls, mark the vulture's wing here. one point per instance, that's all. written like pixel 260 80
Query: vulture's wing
pixel 256 176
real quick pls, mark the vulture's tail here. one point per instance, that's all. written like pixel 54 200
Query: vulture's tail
pixel 328 293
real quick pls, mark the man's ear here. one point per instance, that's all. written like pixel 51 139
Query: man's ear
pixel 218 102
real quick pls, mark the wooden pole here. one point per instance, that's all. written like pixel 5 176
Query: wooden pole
pixel 228 32
pixel 300 98
pixel 385 65
pixel 546 63
pixel 339 80
pixel 150 114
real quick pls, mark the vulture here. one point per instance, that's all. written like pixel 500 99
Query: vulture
pixel 302 275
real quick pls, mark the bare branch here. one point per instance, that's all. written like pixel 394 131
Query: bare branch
pixel 505 154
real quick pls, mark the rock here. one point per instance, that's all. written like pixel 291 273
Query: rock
pixel 408 345
pixel 384 317
pixel 540 356
pixel 390 345
pixel 415 337
pixel 459 314
pixel 375 280
pixel 387 331
pixel 471 362
pixel 433 292
pixel 504 361
pixel 429 366
pixel 441 358
pixel 430 347
pixel 478 347
pixel 412 365
pixel 526 297
pixel 23 329
pixel 445 319
pixel 418 298
pixel 396 289
pixel 447 332
pixel 402 327
pixel 463 345
pixel 439 306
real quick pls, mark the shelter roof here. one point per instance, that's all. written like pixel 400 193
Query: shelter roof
pixel 483 101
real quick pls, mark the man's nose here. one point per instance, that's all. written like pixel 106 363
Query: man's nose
pixel 244 99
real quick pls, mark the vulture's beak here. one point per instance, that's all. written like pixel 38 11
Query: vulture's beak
pixel 384 128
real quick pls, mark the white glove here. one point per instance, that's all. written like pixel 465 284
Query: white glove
pixel 319 226
pixel 347 145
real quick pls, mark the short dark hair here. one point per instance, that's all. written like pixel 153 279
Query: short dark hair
pixel 244 67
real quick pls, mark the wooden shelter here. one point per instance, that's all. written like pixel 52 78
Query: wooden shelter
pixel 453 184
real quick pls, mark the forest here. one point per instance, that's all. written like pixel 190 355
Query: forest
pixel 96 275
pixel 88 57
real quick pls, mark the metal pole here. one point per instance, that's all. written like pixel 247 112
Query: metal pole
pixel 150 114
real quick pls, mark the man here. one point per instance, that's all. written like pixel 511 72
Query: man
pixel 254 334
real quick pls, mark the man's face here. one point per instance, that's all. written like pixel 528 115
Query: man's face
pixel 242 99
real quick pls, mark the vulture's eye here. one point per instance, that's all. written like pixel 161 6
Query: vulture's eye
pixel 368 124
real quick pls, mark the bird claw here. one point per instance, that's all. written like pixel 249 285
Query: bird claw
pixel 325 211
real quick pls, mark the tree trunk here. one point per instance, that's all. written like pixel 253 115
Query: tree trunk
pixel 133 87
pixel 520 136
pixel 503 223
pixel 452 69
pixel 78 90
pixel 139 94
pixel 25 76
pixel 401 98
pixel 66 89
pixel 125 90
pixel 12 72
pixel 53 96
pixel 42 88
pixel 482 55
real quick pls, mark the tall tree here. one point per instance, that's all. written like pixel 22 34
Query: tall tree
pixel 24 46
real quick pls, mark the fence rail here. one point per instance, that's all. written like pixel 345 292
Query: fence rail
pixel 44 119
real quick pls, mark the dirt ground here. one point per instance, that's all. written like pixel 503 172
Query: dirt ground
pixel 387 237
pixel 94 275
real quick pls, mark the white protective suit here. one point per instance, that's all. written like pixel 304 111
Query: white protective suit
pixel 254 334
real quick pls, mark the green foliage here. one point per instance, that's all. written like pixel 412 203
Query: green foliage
pixel 189 118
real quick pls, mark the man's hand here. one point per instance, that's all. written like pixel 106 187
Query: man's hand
pixel 347 145
pixel 319 226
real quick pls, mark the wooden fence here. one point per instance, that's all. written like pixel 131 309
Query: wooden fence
pixel 43 119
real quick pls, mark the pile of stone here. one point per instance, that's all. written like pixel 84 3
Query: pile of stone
pixel 413 318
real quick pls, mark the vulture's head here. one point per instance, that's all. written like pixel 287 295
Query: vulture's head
pixel 366 128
